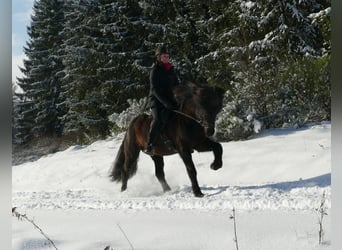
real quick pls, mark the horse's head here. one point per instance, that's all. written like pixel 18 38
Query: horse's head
pixel 203 103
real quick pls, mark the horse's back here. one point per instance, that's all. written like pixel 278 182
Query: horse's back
pixel 139 131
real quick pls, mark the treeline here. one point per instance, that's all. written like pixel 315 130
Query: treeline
pixel 86 58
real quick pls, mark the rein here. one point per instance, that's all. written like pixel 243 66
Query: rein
pixel 189 116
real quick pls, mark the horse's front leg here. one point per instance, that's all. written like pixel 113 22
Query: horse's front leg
pixel 217 149
pixel 210 145
pixel 190 168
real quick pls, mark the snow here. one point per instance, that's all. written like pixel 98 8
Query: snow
pixel 274 181
pixel 249 4
pixel 324 12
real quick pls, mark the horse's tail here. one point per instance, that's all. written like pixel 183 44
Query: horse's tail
pixel 118 163
pixel 121 160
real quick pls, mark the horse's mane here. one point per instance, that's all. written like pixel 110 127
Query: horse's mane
pixel 186 91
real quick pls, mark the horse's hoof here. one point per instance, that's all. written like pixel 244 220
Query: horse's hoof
pixel 216 165
pixel 199 195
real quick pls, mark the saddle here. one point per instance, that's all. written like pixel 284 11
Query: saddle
pixel 167 142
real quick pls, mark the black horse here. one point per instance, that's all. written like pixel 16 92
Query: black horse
pixel 188 129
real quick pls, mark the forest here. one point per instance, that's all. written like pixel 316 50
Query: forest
pixel 88 61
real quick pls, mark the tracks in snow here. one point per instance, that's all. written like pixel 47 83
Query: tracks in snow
pixel 270 196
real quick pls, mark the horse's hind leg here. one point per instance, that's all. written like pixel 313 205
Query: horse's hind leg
pixel 159 168
pixel 124 179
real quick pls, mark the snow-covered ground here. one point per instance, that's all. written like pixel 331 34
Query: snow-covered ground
pixel 274 181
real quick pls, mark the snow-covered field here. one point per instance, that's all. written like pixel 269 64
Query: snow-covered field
pixel 275 182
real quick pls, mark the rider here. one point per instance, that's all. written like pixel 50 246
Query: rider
pixel 162 79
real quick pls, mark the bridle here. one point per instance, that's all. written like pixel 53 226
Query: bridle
pixel 200 122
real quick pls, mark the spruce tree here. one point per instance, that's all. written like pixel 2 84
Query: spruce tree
pixel 41 87
pixel 259 42
pixel 106 62
pixel 125 66
pixel 216 64
pixel 84 115
pixel 186 38
pixel 285 36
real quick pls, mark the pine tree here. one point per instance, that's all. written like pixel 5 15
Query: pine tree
pixel 286 37
pixel 84 115
pixel 261 41
pixel 185 38
pixel 216 64
pixel 125 67
pixel 40 85
pixel 106 62
pixel 24 107
pixel 15 113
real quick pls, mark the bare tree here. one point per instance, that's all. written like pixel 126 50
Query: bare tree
pixel 24 216
pixel 233 217
pixel 322 210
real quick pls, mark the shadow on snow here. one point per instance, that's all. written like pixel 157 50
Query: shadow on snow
pixel 318 181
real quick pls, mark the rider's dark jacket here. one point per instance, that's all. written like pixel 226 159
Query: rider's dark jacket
pixel 161 99
pixel 161 83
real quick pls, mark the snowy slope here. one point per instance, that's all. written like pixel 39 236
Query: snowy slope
pixel 278 177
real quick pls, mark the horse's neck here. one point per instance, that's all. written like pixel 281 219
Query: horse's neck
pixel 182 94
pixel 186 113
